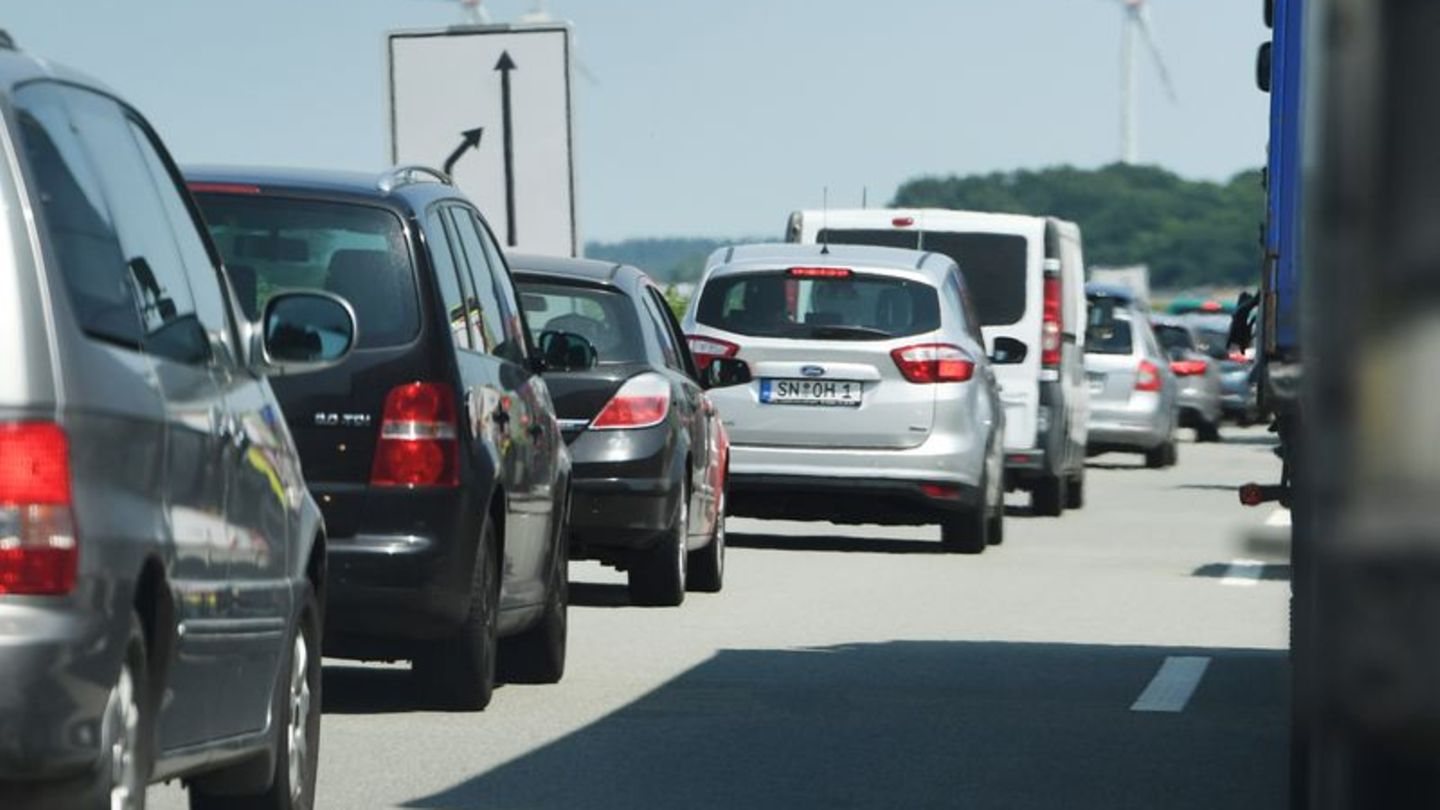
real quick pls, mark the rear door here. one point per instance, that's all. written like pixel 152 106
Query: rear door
pixel 692 406
pixel 819 343
pixel 1112 353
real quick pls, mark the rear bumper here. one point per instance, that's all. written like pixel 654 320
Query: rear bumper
pixel 944 457
pixel 1139 424
pixel 625 485
pixel 845 500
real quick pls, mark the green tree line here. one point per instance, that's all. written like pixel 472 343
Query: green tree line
pixel 1192 233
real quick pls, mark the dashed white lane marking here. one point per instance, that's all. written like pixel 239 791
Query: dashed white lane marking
pixel 1173 685
pixel 1243 573
pixel 1279 519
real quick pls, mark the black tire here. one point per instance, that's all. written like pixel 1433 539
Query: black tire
pixel 966 531
pixel 706 572
pixel 657 577
pixel 459 672
pixel 995 532
pixel 1048 497
pixel 1075 492
pixel 1158 456
pixel 292 785
pixel 538 654
pixel 1172 453
pixel 126 732
pixel 1208 432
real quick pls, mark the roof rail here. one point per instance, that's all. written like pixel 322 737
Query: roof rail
pixel 7 42
pixel 405 175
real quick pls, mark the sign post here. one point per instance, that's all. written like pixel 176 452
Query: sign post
pixel 492 105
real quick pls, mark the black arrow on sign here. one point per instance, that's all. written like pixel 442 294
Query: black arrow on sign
pixel 472 141
pixel 505 65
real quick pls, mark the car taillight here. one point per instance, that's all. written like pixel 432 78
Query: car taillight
pixel 1052 325
pixel 1188 368
pixel 820 272
pixel 1238 357
pixel 934 363
pixel 38 551
pixel 643 401
pixel 1147 377
pixel 705 349
pixel 419 438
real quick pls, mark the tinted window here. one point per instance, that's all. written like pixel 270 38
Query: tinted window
pixel 669 349
pixel 1108 329
pixel 859 307
pixel 360 253
pixel 995 266
pixel 484 303
pixel 607 319
pixel 504 287
pixel 1174 338
pixel 447 279
pixel 83 237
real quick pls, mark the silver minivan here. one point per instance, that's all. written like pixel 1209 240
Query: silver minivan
pixel 1026 275
pixel 161 561
pixel 871 397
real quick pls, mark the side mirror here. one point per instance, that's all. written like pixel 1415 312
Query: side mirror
pixel 1263 61
pixel 1008 351
pixel 301 332
pixel 567 351
pixel 725 372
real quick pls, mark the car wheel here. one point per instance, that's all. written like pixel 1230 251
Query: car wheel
pixel 966 531
pixel 296 716
pixel 125 730
pixel 1172 452
pixel 995 531
pixel 1048 497
pixel 707 564
pixel 657 578
pixel 1208 432
pixel 538 654
pixel 459 672
pixel 1075 491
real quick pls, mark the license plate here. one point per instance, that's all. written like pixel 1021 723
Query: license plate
pixel 830 393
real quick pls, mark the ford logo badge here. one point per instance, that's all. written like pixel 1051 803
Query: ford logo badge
pixel 813 371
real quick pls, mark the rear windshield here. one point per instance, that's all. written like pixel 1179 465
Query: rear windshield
pixel 607 319
pixel 272 244
pixel 994 265
pixel 1174 338
pixel 857 307
pixel 1108 330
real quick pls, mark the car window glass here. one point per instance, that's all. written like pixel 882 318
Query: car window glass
pixel 510 312
pixel 210 305
pixel 677 337
pixel 447 280
pixel 605 318
pixel 172 328
pixel 960 296
pixel 1108 329
pixel 481 296
pixel 849 307
pixel 77 217
pixel 656 321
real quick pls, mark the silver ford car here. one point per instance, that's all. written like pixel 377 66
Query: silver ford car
pixel 872 400
pixel 162 565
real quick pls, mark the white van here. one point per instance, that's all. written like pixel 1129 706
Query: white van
pixel 1027 277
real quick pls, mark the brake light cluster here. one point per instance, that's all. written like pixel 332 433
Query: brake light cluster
pixel 1147 377
pixel 419 438
pixel 1053 324
pixel 643 401
pixel 38 551
pixel 934 363
pixel 1188 368
pixel 706 349
pixel 820 272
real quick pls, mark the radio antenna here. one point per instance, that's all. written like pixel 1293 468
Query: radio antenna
pixel 825 221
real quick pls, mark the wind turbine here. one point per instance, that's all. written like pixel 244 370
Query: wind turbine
pixel 474 10
pixel 1136 28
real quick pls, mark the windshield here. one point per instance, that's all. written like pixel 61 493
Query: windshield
pixel 857 307
pixel 994 265
pixel 607 319
pixel 271 244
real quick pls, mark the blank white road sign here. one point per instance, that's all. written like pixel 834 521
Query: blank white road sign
pixel 493 104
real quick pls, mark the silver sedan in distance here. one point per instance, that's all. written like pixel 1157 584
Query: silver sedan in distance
pixel 1132 389
pixel 1196 373
pixel 872 399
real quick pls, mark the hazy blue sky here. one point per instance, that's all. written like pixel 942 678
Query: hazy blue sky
pixel 709 117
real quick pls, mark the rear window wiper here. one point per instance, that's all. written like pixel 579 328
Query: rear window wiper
pixel 844 332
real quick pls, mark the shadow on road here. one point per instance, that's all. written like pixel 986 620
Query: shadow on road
pixel 1231 488
pixel 1271 572
pixel 917 724
pixel 1259 439
pixel 354 689
pixel 599 594
pixel 864 545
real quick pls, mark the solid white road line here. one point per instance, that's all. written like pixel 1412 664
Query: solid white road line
pixel 1243 573
pixel 1173 685
pixel 1279 519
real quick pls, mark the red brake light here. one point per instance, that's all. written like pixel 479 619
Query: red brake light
pixel 1051 327
pixel 934 363
pixel 1238 357
pixel 1147 377
pixel 940 491
pixel 821 272
pixel 705 349
pixel 38 552
pixel 643 401
pixel 223 188
pixel 903 222
pixel 1211 306
pixel 1188 368
pixel 419 438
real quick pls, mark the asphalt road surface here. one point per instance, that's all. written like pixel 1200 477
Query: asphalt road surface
pixel 1129 655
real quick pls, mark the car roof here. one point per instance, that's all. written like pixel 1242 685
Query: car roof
pixel 767 256
pixel 325 182
pixel 1171 320
pixel 933 219
pixel 589 270
pixel 1099 289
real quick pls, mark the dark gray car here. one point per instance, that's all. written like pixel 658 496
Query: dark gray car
pixel 161 560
